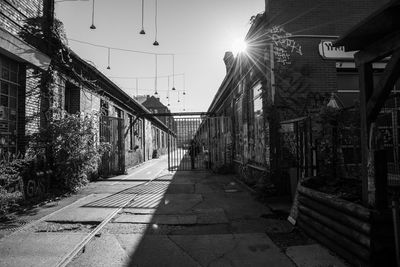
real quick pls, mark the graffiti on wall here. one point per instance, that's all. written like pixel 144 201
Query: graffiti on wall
pixel 283 45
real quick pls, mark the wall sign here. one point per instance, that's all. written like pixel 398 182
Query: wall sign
pixel 328 51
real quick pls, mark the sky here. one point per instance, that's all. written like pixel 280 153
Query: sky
pixel 198 32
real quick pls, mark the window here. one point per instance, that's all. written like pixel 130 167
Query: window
pixel 118 112
pixel 130 131
pixel 8 105
pixel 104 108
pixel 258 126
pixel 238 128
pixel 348 85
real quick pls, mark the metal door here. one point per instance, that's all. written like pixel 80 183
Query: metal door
pixel 111 131
pixel 199 142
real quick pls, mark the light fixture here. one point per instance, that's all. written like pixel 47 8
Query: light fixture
pixel 155 77
pixel 142 30
pixel 173 72
pixel 168 88
pixel 184 84
pixel 155 18
pixel 108 66
pixel 92 26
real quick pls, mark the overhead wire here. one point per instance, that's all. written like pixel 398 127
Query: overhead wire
pixel 120 49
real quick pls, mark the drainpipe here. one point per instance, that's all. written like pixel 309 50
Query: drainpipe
pixel 144 139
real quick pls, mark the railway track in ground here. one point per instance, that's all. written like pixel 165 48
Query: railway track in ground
pixel 129 197
pixel 79 247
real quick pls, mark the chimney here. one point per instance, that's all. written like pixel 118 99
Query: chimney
pixel 228 60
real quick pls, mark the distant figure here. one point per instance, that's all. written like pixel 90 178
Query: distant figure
pixel 193 150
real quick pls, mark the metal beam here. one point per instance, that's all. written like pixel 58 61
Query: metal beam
pixel 386 83
pixel 366 89
pixel 378 50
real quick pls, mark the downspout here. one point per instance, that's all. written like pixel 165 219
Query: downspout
pixel 144 138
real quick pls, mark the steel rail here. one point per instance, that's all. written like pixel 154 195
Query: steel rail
pixel 70 256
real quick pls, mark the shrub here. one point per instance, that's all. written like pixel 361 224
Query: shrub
pixel 71 148
pixel 12 168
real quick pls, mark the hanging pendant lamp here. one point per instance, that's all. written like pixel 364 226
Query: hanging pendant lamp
pixel 142 30
pixel 184 84
pixel 168 89
pixel 155 77
pixel 155 18
pixel 92 26
pixel 173 72
pixel 108 66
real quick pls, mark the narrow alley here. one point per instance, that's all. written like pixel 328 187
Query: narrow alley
pixel 147 133
pixel 152 217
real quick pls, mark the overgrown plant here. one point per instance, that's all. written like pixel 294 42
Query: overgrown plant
pixel 71 148
pixel 335 128
pixel 12 168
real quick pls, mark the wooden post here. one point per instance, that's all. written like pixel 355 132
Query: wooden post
pixel 366 89
pixel 381 173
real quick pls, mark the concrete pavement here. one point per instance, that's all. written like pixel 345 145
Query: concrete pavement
pixel 179 219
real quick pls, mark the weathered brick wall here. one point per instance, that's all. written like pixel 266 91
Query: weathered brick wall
pixel 14 12
pixel 305 84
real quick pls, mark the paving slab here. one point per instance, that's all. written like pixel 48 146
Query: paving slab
pixel 313 256
pixel 140 210
pixel 157 219
pixel 235 205
pixel 32 249
pixel 201 188
pixel 101 251
pixel 211 216
pixel 178 203
pixel 109 187
pixel 77 212
pixel 154 250
pixel 180 188
pixel 232 250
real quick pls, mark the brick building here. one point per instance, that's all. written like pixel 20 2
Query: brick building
pixel 30 50
pixel 154 105
pixel 289 71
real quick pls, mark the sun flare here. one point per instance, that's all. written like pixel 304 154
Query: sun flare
pixel 239 46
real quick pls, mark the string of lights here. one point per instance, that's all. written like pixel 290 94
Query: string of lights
pixel 146 77
pixel 120 49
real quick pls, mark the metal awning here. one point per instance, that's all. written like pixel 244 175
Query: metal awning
pixel 383 22
pixel 21 51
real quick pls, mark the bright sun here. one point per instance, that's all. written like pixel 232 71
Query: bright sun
pixel 239 46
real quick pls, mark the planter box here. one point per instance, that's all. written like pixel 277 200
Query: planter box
pixel 362 236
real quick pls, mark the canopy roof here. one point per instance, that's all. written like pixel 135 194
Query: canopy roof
pixel 382 23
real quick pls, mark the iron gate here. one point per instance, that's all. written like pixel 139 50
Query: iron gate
pixel 111 131
pixel 198 142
